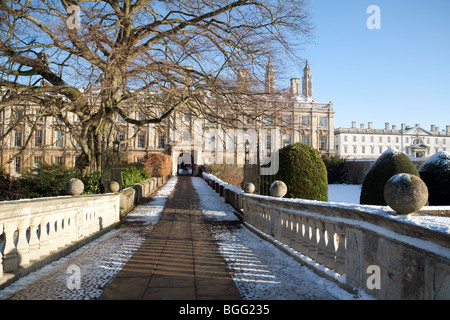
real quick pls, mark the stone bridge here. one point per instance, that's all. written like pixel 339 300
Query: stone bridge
pixel 361 248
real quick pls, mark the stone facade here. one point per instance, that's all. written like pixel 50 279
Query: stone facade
pixel 293 116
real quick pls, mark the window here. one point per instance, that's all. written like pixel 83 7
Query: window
pixel 17 138
pixel 121 136
pixel 58 160
pixel 322 142
pixel 355 150
pixel 305 138
pixel 19 113
pixel 268 120
pixel 305 120
pixel 287 120
pixel 380 139
pixel 269 141
pixel 161 140
pixel 37 161
pixel 59 141
pixel 17 164
pixel 363 139
pixel 371 139
pixel 141 140
pixel 186 116
pixel 286 140
pixel 345 138
pixel 323 122
pixel 38 138
pixel 354 138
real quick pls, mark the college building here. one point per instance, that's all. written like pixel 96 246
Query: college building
pixel 369 143
pixel 268 120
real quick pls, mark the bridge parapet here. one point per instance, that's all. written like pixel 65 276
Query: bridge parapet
pixel 362 248
pixel 35 232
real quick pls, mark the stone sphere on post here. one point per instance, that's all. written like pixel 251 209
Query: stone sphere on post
pixel 249 187
pixel 114 186
pixel 405 193
pixel 74 187
pixel 278 189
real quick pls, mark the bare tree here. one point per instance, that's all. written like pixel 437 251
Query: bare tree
pixel 140 54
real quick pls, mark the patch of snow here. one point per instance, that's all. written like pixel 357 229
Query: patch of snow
pixel 344 193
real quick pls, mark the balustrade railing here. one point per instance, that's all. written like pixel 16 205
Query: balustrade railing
pixel 31 230
pixel 344 242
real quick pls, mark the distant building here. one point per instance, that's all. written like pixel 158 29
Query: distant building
pixel 369 143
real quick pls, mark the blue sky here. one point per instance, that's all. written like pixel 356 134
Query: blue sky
pixel 398 74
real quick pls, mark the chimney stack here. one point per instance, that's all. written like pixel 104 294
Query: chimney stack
pixel 243 79
pixel 295 86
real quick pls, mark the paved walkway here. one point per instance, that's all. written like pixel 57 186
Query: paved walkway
pixel 178 261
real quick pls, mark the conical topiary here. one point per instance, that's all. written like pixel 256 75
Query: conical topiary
pixel 435 172
pixel 390 163
pixel 303 171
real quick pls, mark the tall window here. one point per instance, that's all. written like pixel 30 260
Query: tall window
pixel 186 116
pixel 17 138
pixel 141 140
pixel 286 140
pixel 323 122
pixel 322 142
pixel 17 164
pixel 59 141
pixel 38 138
pixel 161 140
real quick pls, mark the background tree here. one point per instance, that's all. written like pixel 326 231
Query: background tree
pixel 123 56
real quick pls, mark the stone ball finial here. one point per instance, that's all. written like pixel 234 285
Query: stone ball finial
pixel 405 193
pixel 278 189
pixel 114 186
pixel 74 187
pixel 249 187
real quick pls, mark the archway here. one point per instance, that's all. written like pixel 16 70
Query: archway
pixel 185 164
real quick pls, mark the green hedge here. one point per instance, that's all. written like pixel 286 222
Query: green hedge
pixel 303 171
pixel 435 172
pixel 390 163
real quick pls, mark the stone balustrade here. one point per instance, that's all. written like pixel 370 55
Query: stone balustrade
pixel 362 248
pixel 36 232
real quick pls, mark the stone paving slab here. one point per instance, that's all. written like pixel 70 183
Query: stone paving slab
pixel 178 261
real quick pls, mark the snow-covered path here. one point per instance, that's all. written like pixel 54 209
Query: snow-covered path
pixel 260 270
